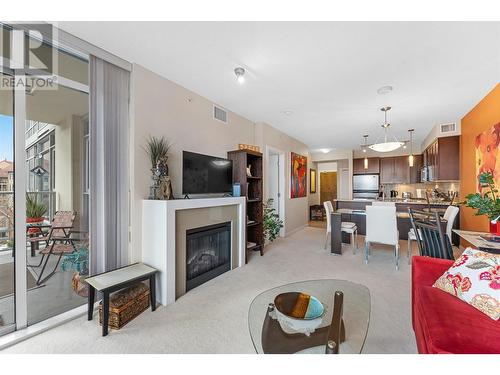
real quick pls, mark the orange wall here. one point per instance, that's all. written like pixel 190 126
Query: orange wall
pixel 482 117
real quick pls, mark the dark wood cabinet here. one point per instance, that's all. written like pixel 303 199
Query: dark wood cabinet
pixel 397 170
pixel 386 170
pixel 416 170
pixel 442 159
pixel 252 189
pixel 401 170
pixel 358 166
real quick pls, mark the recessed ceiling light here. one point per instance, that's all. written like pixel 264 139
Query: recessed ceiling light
pixel 287 113
pixel 240 74
pixel 325 150
pixel 385 90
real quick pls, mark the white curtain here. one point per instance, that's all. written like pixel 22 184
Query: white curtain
pixel 109 161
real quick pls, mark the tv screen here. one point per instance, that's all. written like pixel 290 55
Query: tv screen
pixel 203 174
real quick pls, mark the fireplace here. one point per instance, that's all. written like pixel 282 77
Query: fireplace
pixel 208 253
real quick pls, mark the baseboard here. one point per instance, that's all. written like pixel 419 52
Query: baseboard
pixel 296 230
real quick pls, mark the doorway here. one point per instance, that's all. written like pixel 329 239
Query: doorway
pixel 328 186
pixel 276 182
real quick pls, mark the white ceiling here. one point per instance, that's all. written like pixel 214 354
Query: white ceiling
pixel 326 73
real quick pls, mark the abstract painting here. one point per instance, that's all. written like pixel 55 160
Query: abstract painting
pixel 487 153
pixel 298 188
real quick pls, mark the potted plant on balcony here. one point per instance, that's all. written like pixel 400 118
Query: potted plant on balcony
pixel 78 261
pixel 486 202
pixel 35 212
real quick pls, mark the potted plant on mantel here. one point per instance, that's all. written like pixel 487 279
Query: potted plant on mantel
pixel 157 150
pixel 35 212
pixel 487 201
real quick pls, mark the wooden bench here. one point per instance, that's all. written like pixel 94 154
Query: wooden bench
pixel 109 282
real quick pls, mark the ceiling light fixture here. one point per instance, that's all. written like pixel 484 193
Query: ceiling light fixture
pixel 240 74
pixel 384 90
pixel 288 113
pixel 387 145
pixel 410 158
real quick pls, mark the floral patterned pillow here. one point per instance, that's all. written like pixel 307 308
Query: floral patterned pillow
pixel 475 279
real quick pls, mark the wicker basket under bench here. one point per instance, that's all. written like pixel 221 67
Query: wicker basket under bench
pixel 126 304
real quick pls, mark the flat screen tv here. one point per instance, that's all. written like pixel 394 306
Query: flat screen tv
pixel 203 174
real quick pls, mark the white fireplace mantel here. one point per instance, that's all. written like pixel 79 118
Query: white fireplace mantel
pixel 159 232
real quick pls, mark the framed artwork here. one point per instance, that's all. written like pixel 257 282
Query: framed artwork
pixel 298 176
pixel 487 154
pixel 312 178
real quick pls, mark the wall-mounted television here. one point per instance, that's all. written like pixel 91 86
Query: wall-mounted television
pixel 204 174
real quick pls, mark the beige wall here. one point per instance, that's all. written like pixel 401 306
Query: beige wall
pixel 162 108
pixel 297 209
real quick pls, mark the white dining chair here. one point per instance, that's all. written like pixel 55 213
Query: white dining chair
pixel 345 226
pixel 450 216
pixel 381 227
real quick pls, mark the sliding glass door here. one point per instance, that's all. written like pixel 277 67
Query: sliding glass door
pixel 44 187
pixel 7 266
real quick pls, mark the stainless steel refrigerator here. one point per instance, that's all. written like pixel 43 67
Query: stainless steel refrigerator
pixel 365 186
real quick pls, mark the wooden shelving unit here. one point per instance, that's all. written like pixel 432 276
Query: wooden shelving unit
pixel 251 188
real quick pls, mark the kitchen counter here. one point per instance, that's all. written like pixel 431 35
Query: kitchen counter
pixel 398 200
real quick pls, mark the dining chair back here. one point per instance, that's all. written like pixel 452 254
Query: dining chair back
pixel 450 216
pixel 430 234
pixel 328 211
pixel 381 227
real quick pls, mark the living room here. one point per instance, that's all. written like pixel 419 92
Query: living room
pixel 250 187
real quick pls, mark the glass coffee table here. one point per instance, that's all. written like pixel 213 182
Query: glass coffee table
pixel 270 336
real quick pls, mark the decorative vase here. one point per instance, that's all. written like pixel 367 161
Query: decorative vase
pixel 34 220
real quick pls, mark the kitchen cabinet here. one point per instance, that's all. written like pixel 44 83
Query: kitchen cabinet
pixel 416 170
pixel 442 159
pixel 396 170
pixel 386 170
pixel 401 170
pixel 358 166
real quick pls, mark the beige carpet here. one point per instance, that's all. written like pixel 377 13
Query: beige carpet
pixel 213 317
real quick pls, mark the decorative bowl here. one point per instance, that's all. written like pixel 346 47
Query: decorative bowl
pixel 298 312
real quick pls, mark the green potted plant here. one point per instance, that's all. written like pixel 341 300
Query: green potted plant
pixel 272 223
pixel 157 150
pixel 486 202
pixel 78 261
pixel 35 212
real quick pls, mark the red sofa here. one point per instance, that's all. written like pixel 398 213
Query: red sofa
pixel 442 322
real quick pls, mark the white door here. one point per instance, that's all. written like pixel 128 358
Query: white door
pixel 274 181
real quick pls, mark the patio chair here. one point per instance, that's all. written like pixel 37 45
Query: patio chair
pixel 58 241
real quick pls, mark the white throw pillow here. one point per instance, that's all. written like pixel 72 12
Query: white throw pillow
pixel 475 279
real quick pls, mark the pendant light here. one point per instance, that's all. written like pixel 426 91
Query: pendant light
pixel 410 158
pixel 387 145
pixel 365 161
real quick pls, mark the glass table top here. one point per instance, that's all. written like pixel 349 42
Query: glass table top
pixel 356 312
